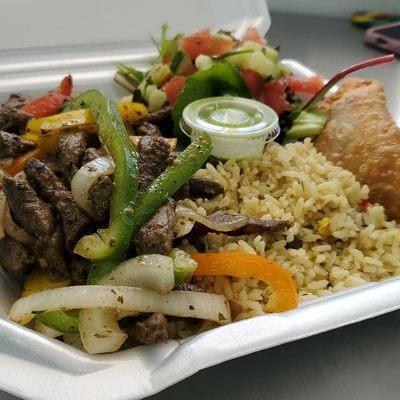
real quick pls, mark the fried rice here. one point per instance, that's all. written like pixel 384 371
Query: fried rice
pixel 344 240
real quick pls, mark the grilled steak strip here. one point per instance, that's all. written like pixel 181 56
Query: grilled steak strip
pixel 156 236
pixel 153 154
pixel 99 196
pixel 12 119
pixel 90 154
pixel 151 330
pixel 12 145
pixel 254 225
pixel 53 251
pixel 70 151
pixel 79 268
pixel 51 189
pixel 161 116
pixel 100 192
pixel 15 257
pixel 204 188
pixel 27 209
pixel 149 129
pixel 197 188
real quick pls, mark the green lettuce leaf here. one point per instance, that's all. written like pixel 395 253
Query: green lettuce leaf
pixel 218 80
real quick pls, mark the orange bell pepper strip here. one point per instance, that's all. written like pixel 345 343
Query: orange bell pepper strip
pixel 284 293
pixel 19 162
pixel 51 103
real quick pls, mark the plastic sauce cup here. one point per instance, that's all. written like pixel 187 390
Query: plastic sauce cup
pixel 238 127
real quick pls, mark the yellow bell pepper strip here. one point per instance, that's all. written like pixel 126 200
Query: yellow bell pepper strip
pixel 40 280
pixel 284 296
pixel 132 113
pixel 82 119
pixel 19 162
pixel 44 131
pixel 111 245
pixel 162 188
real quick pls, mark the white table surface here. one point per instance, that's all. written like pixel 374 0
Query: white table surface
pixel 352 363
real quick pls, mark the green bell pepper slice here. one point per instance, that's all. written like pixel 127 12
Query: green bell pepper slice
pixel 162 188
pixel 111 244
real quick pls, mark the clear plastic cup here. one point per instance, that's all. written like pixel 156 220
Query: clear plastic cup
pixel 238 127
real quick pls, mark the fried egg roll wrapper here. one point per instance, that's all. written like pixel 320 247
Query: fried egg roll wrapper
pixel 361 136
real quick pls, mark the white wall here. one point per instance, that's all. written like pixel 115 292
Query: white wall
pixel 334 7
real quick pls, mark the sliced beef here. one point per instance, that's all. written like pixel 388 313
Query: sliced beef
pixel 79 268
pixel 161 116
pixel 148 129
pixel 157 235
pixel 253 225
pixel 90 154
pixel 73 220
pixel 163 120
pixel 100 192
pixel 296 243
pixel 70 151
pixel 152 161
pixel 12 145
pixel 199 188
pixel 256 225
pixel 12 119
pixel 53 163
pixel 53 251
pixel 15 257
pixel 27 209
pixel 151 330
pixel 204 188
pixel 99 197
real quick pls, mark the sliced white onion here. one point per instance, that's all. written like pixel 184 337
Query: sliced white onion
pixel 200 305
pixel 13 230
pixel 125 313
pixel 3 204
pixel 99 331
pixel 86 177
pixel 186 218
pixel 46 330
pixel 151 271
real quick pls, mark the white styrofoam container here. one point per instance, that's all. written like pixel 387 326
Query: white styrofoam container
pixel 36 367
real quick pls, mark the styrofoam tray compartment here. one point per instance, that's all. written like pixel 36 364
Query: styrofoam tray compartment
pixel 33 366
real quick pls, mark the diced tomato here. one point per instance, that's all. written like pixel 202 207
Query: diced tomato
pixel 364 204
pixel 307 85
pixel 173 88
pixel 254 81
pixel 189 70
pixel 252 35
pixel 51 103
pixel 66 86
pixel 274 95
pixel 202 42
